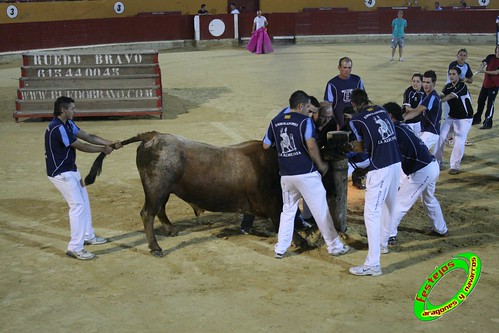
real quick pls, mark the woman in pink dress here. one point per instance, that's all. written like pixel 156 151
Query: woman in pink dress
pixel 260 40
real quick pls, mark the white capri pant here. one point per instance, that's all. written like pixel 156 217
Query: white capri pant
pixel 461 130
pixel 75 193
pixel 310 187
pixel 420 183
pixel 381 195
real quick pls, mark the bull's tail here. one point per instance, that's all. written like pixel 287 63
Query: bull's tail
pixel 96 168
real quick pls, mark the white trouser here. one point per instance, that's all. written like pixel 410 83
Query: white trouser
pixel 429 139
pixel 420 183
pixel 445 115
pixel 381 194
pixel 461 129
pixel 80 217
pixel 309 186
pixel 416 127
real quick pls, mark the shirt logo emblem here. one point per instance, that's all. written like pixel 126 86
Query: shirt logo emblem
pixel 287 142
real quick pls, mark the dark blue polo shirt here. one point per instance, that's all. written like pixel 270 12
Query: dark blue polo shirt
pixel 339 93
pixel 374 126
pixel 430 118
pixel 414 152
pixel 289 132
pixel 60 156
pixel 459 107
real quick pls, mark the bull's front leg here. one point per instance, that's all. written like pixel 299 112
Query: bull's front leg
pixel 148 221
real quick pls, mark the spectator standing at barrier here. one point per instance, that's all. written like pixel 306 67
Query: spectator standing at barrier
pixel 467 76
pixel 398 34
pixel 233 9
pixel 460 117
pixel 488 93
pixel 422 172
pixel 61 143
pixel 437 6
pixel 429 109
pixel 260 40
pixel 409 2
pixel 413 96
pixel 203 10
pixel 338 92
pixel 372 125
pixel 301 167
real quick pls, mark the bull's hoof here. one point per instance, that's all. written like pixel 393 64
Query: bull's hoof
pixel 171 231
pixel 300 241
pixel 157 253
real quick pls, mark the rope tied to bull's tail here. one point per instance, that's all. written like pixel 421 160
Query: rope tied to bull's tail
pixel 96 168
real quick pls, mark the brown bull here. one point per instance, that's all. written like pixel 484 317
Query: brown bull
pixel 240 178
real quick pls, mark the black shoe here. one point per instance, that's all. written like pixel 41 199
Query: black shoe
pixel 476 122
pixel 487 124
pixel 392 241
pixel 305 225
pixel 357 176
pixel 301 224
pixel 245 231
pixel 359 185
pixel 310 221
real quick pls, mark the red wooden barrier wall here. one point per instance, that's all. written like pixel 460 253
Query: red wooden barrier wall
pixel 39 35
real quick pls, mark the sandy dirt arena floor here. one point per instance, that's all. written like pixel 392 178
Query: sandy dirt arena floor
pixel 213 279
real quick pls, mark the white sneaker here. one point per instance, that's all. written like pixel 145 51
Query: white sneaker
pixel 391 59
pixel 341 250
pixel 401 59
pixel 95 241
pixel 279 255
pixel 81 255
pixel 366 270
pixel 384 249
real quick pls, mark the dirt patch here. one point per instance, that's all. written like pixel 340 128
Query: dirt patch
pixel 213 279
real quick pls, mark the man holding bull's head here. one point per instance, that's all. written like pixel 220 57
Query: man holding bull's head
pixel 301 167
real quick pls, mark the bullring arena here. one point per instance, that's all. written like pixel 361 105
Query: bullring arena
pixel 212 278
